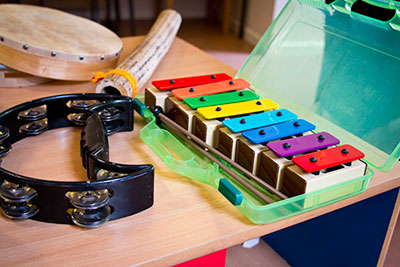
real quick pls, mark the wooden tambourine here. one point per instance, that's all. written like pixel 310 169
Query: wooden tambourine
pixel 53 44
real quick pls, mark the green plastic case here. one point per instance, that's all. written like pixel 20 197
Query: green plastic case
pixel 329 65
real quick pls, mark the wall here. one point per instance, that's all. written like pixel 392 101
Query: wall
pixel 258 18
pixel 260 14
pixel 143 9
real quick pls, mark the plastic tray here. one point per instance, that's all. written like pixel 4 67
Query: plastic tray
pixel 320 62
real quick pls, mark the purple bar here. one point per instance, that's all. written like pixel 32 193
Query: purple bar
pixel 303 144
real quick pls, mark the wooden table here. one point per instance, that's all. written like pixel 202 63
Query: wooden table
pixel 188 219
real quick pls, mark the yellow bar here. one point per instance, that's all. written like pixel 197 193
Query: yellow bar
pixel 236 109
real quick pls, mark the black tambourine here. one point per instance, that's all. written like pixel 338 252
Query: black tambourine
pixel 113 190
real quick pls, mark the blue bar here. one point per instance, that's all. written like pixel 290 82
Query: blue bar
pixel 273 132
pixel 253 121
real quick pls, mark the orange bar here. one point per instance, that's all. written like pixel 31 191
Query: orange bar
pixel 211 88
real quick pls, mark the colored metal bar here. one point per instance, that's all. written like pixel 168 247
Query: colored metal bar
pixel 211 88
pixel 236 109
pixel 220 99
pixel 277 131
pixel 303 144
pixel 170 84
pixel 327 158
pixel 253 121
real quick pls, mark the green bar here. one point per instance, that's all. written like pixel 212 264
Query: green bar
pixel 220 99
pixel 230 192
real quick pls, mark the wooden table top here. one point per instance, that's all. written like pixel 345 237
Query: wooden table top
pixel 189 219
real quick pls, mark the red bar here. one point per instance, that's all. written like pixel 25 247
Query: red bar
pixel 190 81
pixel 211 88
pixel 327 158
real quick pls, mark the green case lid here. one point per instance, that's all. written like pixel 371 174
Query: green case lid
pixel 337 69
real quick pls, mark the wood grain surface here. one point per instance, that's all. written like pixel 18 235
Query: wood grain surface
pixel 14 78
pixel 188 219
pixel 54 44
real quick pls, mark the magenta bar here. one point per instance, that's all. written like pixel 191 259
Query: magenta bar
pixel 303 144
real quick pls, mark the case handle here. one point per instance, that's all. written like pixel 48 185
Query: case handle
pixel 386 12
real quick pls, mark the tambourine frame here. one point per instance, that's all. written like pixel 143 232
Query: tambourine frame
pixel 131 190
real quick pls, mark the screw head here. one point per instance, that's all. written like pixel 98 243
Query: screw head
pixel 231 82
pixel 2 38
pixel 202 99
pixel 25 46
pixel 345 151
pixel 313 159
pixel 286 145
pixel 81 57
pixel 171 81
pixel 241 94
pixel 218 109
pixel 213 76
pixel 102 57
pixel 258 103
pixel 191 90
pixel 279 113
pixel 242 121
pixel 296 124
pixel 321 137
pixel 53 54
pixel 262 132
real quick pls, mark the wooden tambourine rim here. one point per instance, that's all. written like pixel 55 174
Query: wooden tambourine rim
pixel 52 68
pixel 54 54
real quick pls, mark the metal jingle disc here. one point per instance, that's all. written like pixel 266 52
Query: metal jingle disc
pixel 104 174
pixel 32 114
pixel 83 104
pixel 35 127
pixel 110 114
pixel 4 132
pixel 19 210
pixel 91 218
pixel 12 192
pixel 78 118
pixel 5 147
pixel 111 127
pixel 89 200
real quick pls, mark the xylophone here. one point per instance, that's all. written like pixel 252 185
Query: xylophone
pixel 268 142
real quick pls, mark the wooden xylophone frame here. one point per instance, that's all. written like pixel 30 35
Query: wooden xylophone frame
pixel 300 203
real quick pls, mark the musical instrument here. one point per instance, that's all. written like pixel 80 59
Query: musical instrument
pixel 53 44
pixel 255 135
pixel 113 190
pixel 146 57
